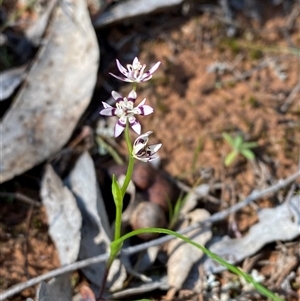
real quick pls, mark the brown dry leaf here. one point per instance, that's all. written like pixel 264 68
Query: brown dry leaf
pixel 182 256
pixel 56 91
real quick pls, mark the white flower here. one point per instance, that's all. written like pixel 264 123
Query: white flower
pixel 143 152
pixel 135 72
pixel 125 110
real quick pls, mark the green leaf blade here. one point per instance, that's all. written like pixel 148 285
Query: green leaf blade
pixel 116 191
pixel 230 158
pixel 248 154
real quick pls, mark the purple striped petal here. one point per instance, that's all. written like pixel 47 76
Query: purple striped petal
pixel 132 96
pixel 108 110
pixel 135 125
pixel 119 128
pixel 116 96
pixel 146 110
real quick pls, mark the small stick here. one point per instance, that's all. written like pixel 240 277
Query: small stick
pixel 21 197
pixel 26 242
pixel 290 99
pixel 255 195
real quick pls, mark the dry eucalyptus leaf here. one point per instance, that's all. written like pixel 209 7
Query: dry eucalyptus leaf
pixel 64 217
pixel 132 8
pixel 56 91
pixel 148 258
pixel 36 30
pixel 58 289
pixel 83 183
pixel 116 276
pixel 95 231
pixel 279 223
pixel 182 256
pixel 10 80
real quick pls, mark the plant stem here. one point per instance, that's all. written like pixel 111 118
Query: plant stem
pixel 116 247
pixel 259 287
pixel 130 162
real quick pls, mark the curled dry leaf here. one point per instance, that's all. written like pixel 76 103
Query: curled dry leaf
pixel 57 89
pixel 182 256
pixel 275 224
pixel 64 217
pixel 132 8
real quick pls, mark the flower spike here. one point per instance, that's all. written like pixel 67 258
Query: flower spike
pixel 125 110
pixel 135 72
pixel 143 152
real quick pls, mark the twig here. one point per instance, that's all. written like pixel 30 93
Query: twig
pixel 21 197
pixel 290 99
pixel 62 270
pixel 26 242
pixel 255 195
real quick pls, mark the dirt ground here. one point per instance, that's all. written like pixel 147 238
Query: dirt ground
pixel 207 84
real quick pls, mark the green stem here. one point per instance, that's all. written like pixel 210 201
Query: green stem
pixel 134 86
pixel 259 287
pixel 118 222
pixel 118 194
pixel 130 162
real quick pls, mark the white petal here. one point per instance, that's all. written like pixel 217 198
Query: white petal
pixel 154 68
pixel 154 148
pixel 107 111
pixel 121 68
pixel 146 110
pixel 142 102
pixel 144 136
pixel 122 120
pixel 143 159
pixel 148 133
pixel 132 95
pixel 154 157
pixel 137 148
pixel 116 95
pixel 124 79
pixel 146 76
pixel 135 62
pixel 118 129
pixel 136 127
pixel 106 105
